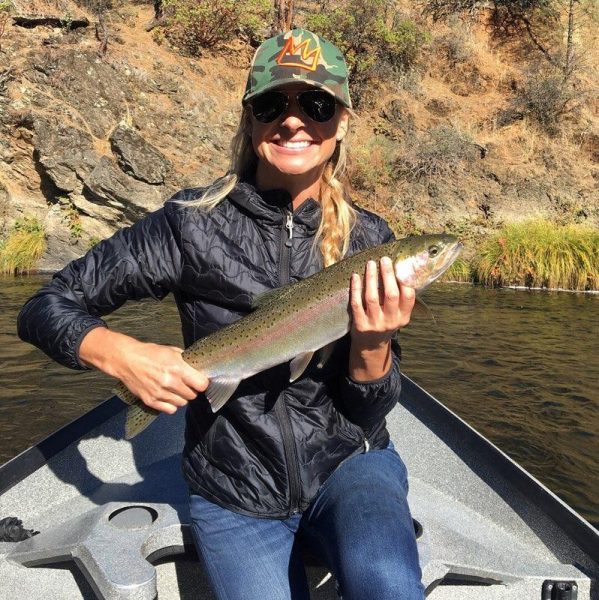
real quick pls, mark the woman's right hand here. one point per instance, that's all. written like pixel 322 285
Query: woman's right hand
pixel 156 374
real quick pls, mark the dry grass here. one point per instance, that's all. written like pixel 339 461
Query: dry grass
pixel 460 271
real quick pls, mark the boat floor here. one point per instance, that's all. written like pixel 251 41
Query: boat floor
pixel 489 530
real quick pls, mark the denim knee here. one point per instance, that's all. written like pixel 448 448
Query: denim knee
pixel 380 579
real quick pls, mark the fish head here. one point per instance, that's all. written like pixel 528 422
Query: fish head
pixel 419 260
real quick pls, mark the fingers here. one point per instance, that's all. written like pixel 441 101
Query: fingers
pixel 161 378
pixel 355 299
pixel 407 299
pixel 380 308
pixel 168 403
pixel 371 293
pixel 194 380
pixel 390 289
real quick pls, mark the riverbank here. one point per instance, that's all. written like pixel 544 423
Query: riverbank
pixel 535 254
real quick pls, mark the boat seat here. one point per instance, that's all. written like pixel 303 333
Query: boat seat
pixel 113 545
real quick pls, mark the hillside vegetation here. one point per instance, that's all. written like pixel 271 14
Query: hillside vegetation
pixel 472 116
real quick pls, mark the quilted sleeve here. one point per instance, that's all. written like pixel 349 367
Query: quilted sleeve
pixel 137 262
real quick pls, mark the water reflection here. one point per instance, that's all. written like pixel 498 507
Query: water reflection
pixel 522 368
pixel 519 366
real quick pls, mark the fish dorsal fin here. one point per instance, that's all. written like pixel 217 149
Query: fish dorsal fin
pixel 298 364
pixel 265 297
pixel 219 391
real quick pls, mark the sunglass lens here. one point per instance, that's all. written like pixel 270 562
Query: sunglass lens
pixel 318 105
pixel 268 106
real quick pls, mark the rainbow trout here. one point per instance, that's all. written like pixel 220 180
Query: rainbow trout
pixel 296 320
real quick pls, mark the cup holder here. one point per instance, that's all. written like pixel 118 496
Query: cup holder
pixel 133 517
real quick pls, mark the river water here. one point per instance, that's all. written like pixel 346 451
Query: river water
pixel 520 366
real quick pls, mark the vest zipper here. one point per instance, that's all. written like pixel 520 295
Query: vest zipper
pixel 289 228
pixel 281 405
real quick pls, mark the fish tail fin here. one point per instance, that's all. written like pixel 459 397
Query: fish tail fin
pixel 139 416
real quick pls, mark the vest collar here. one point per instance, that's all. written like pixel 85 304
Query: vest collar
pixel 271 206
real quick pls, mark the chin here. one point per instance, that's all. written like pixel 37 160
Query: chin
pixel 294 169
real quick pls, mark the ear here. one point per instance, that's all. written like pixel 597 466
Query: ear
pixel 343 126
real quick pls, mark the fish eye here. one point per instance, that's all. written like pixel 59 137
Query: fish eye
pixel 433 251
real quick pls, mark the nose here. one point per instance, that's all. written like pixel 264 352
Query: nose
pixel 293 117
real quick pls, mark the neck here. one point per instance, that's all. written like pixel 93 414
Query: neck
pixel 300 187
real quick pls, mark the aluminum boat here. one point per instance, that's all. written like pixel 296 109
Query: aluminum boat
pixel 113 520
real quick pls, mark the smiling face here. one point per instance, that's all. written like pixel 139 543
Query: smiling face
pixel 293 146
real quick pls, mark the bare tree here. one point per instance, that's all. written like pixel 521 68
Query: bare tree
pixel 569 62
pixel 283 16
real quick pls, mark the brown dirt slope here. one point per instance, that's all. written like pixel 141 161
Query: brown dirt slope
pixel 438 148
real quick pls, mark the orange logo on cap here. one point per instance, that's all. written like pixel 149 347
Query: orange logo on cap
pixel 299 56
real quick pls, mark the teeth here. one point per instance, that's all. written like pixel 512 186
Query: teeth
pixel 303 144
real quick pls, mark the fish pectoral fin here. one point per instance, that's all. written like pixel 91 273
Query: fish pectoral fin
pixel 219 391
pixel 299 363
pixel 420 307
pixel 325 353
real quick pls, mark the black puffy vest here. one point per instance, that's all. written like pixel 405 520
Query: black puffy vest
pixel 274 443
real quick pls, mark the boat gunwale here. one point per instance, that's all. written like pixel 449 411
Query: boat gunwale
pixel 573 525
pixel 30 460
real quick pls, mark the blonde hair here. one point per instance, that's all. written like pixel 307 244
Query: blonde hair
pixel 338 216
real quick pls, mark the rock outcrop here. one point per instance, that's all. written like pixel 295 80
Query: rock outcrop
pixel 101 141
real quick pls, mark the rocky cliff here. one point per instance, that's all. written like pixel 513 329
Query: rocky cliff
pixel 90 143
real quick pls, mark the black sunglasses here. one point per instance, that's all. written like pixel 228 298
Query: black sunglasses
pixel 317 105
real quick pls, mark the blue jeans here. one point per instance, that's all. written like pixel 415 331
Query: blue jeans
pixel 359 525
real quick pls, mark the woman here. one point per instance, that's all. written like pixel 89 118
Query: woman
pixel 281 467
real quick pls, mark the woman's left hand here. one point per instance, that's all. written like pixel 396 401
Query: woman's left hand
pixel 376 316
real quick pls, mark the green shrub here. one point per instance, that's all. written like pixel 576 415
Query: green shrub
pixel 541 254
pixel 71 216
pixel 442 150
pixel 24 246
pixel 193 25
pixel 93 240
pixel 377 46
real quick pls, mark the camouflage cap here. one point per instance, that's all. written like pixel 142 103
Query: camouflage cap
pixel 298 56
